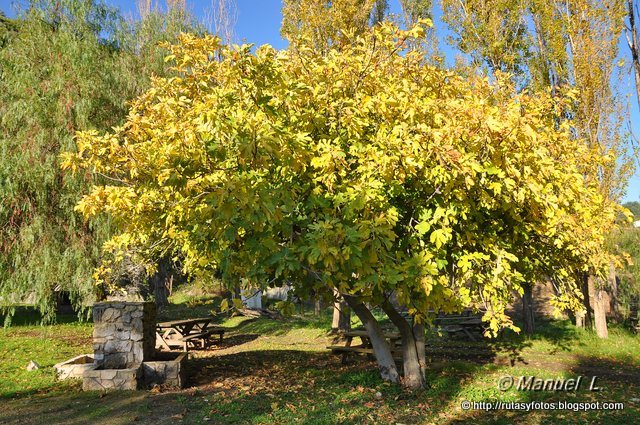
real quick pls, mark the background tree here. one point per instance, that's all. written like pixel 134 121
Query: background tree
pixel 417 11
pixel 493 32
pixel 634 208
pixel 7 29
pixel 626 242
pixel 558 50
pixel 323 22
pixel 221 18
pixel 593 30
pixel 379 11
pixel 65 65
pixel 633 14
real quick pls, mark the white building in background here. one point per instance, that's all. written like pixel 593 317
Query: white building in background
pixel 278 292
pixel 252 299
pixel 636 223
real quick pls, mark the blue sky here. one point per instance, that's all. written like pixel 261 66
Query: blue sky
pixel 258 22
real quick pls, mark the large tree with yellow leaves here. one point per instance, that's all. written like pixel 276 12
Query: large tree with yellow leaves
pixel 356 168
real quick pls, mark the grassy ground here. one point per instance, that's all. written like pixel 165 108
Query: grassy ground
pixel 279 372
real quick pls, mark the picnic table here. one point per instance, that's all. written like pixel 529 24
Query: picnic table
pixel 365 347
pixel 466 323
pixel 186 332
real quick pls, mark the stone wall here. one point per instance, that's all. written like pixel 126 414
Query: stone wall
pixel 111 379
pixel 168 370
pixel 123 333
pixel 542 293
pixel 75 367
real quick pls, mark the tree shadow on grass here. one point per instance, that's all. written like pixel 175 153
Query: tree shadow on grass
pixel 30 316
pixel 607 371
pixel 98 408
pixel 616 382
pixel 290 386
pixel 482 350
pixel 562 334
pixel 234 340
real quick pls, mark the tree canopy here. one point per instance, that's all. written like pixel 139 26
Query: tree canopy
pixel 358 168
pixel 550 44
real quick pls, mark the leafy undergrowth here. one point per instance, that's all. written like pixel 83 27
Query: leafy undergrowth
pixel 279 372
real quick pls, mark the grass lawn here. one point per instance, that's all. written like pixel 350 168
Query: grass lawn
pixel 279 372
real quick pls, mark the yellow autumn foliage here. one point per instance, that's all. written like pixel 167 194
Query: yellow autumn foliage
pixel 359 168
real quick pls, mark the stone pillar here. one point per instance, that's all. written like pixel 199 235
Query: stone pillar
pixel 123 333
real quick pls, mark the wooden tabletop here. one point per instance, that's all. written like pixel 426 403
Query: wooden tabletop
pixel 365 334
pixel 471 320
pixel 183 322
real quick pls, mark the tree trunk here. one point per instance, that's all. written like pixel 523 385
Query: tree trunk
pixel 413 349
pixel 527 310
pixel 341 315
pixel 632 40
pixel 160 282
pixel 318 306
pixel 599 310
pixel 584 320
pixel 381 349
pixel 613 292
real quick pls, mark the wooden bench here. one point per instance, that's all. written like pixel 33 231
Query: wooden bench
pixel 217 331
pixel 454 324
pixel 181 333
pixel 203 337
pixel 365 348
pixel 342 349
pixel 346 351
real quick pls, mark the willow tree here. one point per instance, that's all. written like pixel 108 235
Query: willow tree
pixel 358 169
pixel 64 65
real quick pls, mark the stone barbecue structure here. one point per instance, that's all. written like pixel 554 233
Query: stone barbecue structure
pixel 111 379
pixel 75 367
pixel 124 355
pixel 168 369
pixel 123 334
